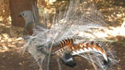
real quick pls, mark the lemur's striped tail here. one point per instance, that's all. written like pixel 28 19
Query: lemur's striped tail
pixel 88 47
pixel 76 49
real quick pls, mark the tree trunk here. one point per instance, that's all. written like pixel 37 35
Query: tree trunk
pixel 17 6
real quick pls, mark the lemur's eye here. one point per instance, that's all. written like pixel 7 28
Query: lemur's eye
pixel 22 14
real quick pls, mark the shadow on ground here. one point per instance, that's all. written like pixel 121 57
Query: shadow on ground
pixel 12 60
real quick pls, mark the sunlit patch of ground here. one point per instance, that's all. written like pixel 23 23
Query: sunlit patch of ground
pixel 7 43
pixel 111 32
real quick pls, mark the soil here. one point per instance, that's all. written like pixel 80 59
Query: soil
pixel 12 60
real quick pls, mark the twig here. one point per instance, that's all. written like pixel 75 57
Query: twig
pixel 49 56
pixel 92 62
pixel 59 64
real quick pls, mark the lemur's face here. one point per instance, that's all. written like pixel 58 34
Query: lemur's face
pixel 25 14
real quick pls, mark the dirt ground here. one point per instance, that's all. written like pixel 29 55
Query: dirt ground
pixel 13 60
